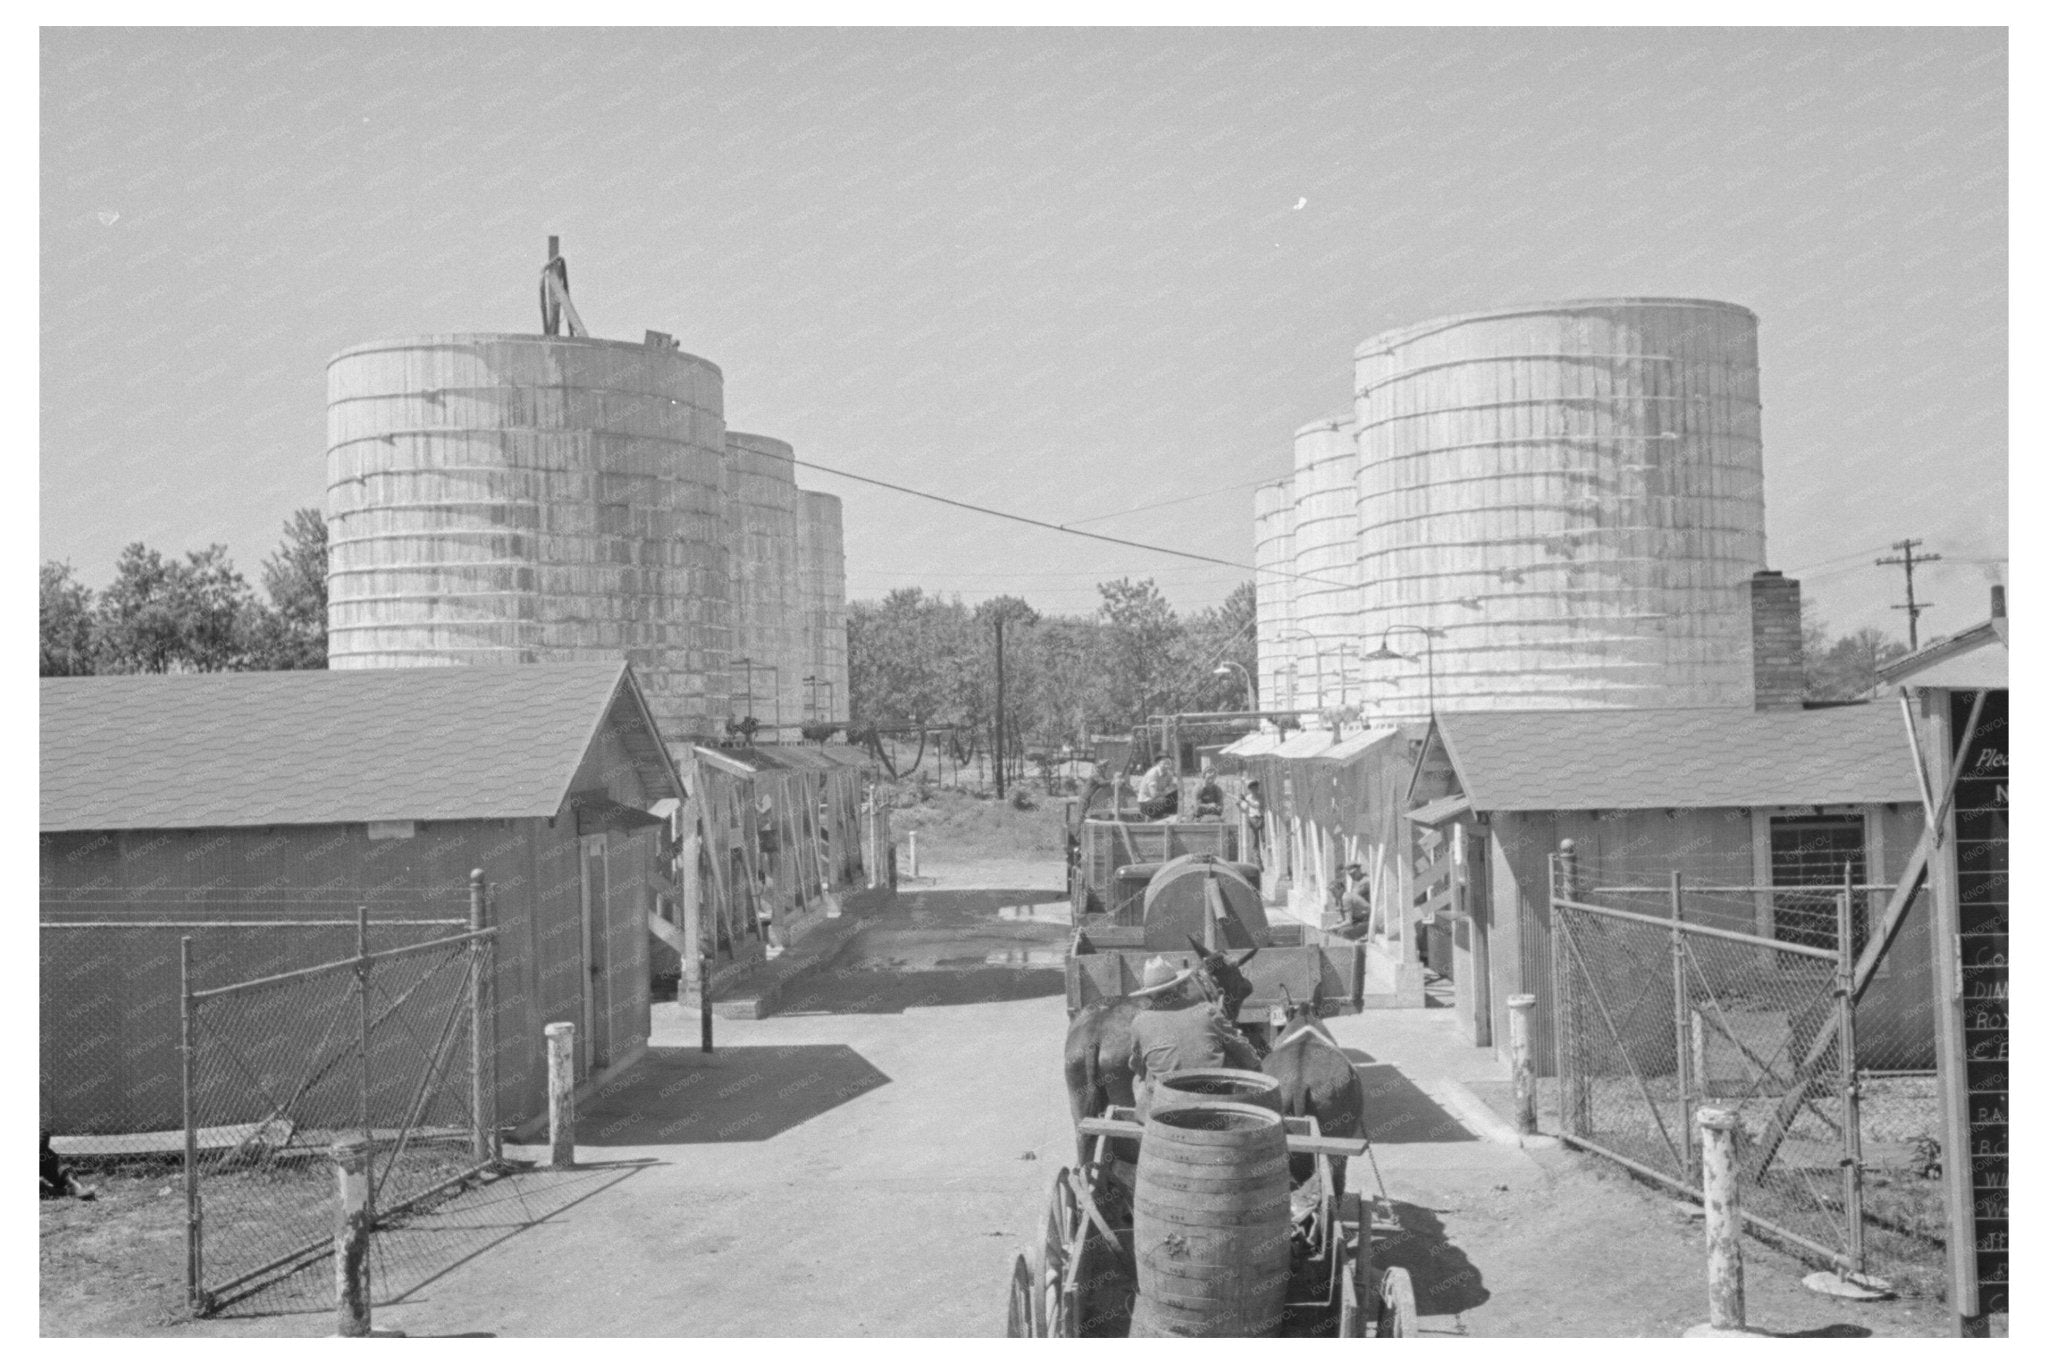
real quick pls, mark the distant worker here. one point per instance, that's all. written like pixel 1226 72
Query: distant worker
pixel 1356 903
pixel 1252 807
pixel 1175 1031
pixel 1208 796
pixel 1159 791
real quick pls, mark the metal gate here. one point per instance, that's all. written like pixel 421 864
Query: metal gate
pixel 393 1046
pixel 1660 1014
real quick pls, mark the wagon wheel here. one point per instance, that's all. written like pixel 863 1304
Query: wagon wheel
pixel 1064 1231
pixel 1022 1323
pixel 1397 1305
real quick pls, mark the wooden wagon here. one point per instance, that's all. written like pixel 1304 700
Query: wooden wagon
pixel 1081 1279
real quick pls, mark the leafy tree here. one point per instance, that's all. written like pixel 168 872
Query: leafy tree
pixel 160 615
pixel 1143 672
pixel 66 616
pixel 291 632
pixel 1845 668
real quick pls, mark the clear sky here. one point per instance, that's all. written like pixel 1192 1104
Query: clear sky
pixel 1058 271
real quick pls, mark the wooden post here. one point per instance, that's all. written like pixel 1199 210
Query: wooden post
pixel 363 1019
pixel 351 1156
pixel 704 1003
pixel 561 1095
pixel 482 1130
pixel 1720 1164
pixel 1523 1056
pixel 693 897
pixel 913 854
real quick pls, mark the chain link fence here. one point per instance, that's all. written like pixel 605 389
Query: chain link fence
pixel 1667 1000
pixel 238 1042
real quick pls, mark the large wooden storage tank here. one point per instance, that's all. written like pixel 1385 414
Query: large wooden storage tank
pixel 767 600
pixel 1573 494
pixel 524 499
pixel 1325 600
pixel 821 563
pixel 1273 589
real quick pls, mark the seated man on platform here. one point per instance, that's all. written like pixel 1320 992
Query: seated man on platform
pixel 1176 1030
pixel 1159 791
pixel 1209 795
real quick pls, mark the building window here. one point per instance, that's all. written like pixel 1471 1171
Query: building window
pixel 1814 851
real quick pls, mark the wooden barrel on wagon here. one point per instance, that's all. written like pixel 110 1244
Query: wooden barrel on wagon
pixel 1210 1222
pixel 1207 899
pixel 1214 1084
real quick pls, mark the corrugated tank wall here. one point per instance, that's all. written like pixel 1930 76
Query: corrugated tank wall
pixel 767 601
pixel 1572 494
pixel 821 568
pixel 1326 543
pixel 1273 589
pixel 524 499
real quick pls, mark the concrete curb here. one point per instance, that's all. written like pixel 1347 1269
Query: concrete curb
pixel 1479 1116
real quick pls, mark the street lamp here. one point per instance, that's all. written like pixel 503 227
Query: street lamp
pixel 1430 636
pixel 1251 693
pixel 1315 654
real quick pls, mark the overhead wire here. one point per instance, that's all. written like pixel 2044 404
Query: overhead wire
pixel 1170 502
pixel 1065 530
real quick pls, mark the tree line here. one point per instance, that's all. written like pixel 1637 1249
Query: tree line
pixel 920 661
pixel 164 614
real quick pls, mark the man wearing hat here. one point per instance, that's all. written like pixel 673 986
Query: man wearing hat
pixel 1174 1031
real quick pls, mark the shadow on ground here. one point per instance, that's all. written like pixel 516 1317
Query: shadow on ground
pixel 1446 1282
pixel 1396 1112
pixel 407 1256
pixel 679 1096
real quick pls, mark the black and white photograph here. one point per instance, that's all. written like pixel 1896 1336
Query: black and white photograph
pixel 1111 675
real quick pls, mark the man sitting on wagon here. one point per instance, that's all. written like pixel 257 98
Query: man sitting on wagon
pixel 1175 1030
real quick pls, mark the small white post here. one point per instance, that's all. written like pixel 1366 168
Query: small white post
pixel 913 854
pixel 1720 1166
pixel 1523 1057
pixel 561 1095
pixel 351 1156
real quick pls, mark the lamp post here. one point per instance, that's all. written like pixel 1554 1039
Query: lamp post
pixel 1430 636
pixel 1315 654
pixel 1251 692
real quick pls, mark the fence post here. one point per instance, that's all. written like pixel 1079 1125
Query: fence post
pixel 1575 1100
pixel 363 1019
pixel 195 1295
pixel 482 1129
pixel 693 897
pixel 561 1095
pixel 1524 1059
pixel 1681 1030
pixel 913 854
pixel 1720 1136
pixel 351 1157
pixel 1852 1104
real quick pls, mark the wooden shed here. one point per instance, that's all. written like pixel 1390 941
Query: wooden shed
pixel 254 811
pixel 1750 806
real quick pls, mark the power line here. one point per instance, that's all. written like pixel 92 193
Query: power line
pixel 1063 530
pixel 1170 502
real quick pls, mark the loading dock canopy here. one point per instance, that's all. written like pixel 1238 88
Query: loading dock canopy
pixel 1253 745
pixel 1357 746
pixel 1440 811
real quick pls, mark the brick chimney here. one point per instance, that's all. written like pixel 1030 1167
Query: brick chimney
pixel 1777 644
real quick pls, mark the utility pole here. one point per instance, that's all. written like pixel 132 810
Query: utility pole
pixel 999 707
pixel 1913 606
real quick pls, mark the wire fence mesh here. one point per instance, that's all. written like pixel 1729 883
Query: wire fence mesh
pixel 1667 1000
pixel 389 1044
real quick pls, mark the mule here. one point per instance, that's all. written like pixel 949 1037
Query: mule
pixel 1097 1059
pixel 1316 1080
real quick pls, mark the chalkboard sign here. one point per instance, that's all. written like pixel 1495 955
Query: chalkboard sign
pixel 1982 784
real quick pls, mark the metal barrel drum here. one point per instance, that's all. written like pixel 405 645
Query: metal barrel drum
pixel 1210 1225
pixel 1182 898
pixel 1212 1085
